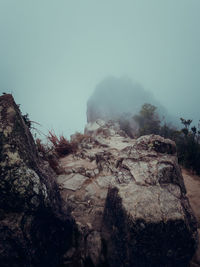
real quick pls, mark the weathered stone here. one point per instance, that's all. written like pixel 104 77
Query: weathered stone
pixel 73 181
pixel 100 130
pixel 34 231
pixel 135 204
pixel 105 181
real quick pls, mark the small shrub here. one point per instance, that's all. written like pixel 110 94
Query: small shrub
pixel 148 120
pixel 61 145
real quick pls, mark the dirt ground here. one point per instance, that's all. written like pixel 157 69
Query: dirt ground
pixel 192 184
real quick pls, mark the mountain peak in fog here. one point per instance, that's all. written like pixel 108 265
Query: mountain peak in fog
pixel 114 97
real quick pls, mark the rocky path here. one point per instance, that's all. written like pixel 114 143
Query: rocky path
pixel 122 192
pixel 192 183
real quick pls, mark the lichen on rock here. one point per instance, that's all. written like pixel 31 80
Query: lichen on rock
pixel 32 223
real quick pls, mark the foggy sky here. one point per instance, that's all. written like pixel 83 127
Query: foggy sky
pixel 53 53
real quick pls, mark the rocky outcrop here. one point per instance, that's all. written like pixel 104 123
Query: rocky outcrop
pixel 128 200
pixel 120 201
pixel 33 229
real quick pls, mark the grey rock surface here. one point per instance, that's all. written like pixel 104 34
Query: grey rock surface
pixel 133 211
pixel 72 181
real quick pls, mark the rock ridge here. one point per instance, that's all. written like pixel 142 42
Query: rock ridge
pixel 120 202
pixel 129 200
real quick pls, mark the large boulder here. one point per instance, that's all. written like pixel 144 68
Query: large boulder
pixel 128 200
pixel 33 229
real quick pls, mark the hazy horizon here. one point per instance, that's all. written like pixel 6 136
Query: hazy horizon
pixel 53 54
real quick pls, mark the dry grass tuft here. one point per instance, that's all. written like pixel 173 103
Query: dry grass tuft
pixel 61 145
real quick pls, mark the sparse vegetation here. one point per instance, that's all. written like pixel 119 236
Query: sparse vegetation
pixel 188 146
pixel 187 139
pixel 61 145
pixel 48 154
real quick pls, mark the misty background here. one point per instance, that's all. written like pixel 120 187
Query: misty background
pixel 54 53
pixel 120 98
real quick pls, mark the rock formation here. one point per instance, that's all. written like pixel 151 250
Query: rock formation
pixel 128 199
pixel 33 229
pixel 120 201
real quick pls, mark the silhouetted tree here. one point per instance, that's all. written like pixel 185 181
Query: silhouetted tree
pixel 148 120
pixel 187 139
